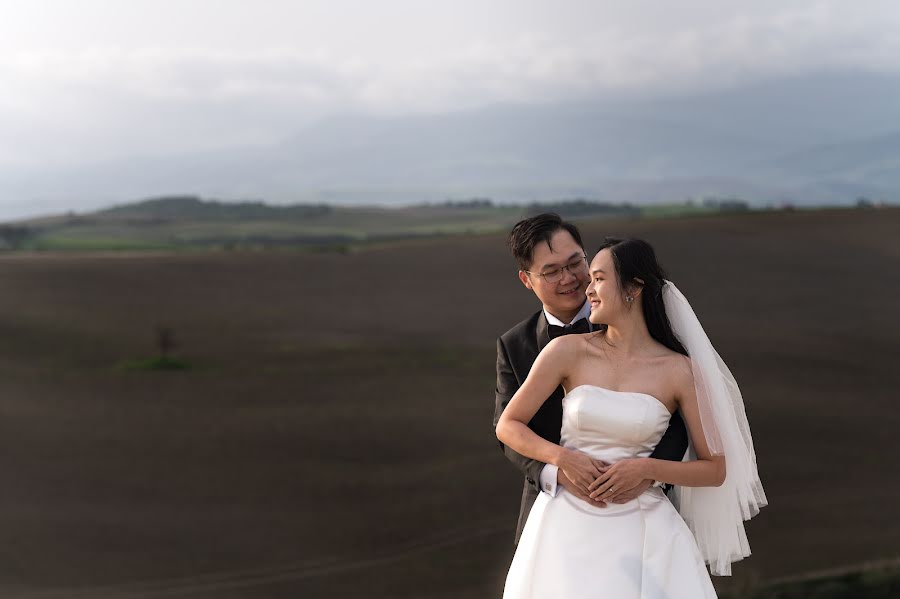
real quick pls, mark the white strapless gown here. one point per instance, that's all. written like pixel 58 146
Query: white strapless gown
pixel 641 549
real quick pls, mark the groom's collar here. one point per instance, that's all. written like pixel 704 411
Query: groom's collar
pixel 545 319
pixel 585 312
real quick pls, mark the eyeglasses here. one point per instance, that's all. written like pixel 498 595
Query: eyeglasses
pixel 575 267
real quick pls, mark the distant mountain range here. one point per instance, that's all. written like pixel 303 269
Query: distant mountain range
pixel 826 138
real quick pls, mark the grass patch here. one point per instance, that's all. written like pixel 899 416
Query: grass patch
pixel 60 243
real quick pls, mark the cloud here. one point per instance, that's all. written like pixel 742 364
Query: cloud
pixel 99 102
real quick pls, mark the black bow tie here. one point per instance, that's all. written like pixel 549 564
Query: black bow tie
pixel 579 326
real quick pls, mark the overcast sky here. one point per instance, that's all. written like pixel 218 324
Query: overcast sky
pixel 89 80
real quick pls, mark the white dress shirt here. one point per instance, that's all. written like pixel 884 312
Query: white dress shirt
pixel 550 471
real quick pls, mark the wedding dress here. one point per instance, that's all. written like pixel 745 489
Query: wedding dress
pixel 641 549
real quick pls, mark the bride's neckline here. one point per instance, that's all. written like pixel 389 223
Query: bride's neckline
pixel 653 397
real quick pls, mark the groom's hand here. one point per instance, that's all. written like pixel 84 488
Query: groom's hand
pixel 562 479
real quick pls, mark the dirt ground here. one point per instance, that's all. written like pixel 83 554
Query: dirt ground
pixel 333 437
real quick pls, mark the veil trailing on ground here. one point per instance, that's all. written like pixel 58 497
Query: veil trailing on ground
pixel 716 514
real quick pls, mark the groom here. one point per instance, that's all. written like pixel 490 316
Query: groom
pixel 552 264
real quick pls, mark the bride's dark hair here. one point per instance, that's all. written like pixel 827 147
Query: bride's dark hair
pixel 635 259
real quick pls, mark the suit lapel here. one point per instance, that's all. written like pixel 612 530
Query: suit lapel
pixel 542 331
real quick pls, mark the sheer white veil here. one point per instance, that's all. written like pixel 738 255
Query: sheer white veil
pixel 716 515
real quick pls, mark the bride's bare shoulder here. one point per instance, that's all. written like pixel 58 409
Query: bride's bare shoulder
pixel 680 371
pixel 677 363
pixel 568 346
pixel 560 345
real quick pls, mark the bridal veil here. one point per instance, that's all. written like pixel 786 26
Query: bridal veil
pixel 716 515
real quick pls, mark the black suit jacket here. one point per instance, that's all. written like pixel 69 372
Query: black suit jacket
pixel 517 350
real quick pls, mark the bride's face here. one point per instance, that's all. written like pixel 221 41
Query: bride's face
pixel 603 290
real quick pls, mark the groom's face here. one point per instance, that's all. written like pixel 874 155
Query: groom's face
pixel 567 294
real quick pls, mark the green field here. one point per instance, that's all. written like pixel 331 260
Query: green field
pixel 188 223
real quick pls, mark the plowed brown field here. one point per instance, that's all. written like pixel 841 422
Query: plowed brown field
pixel 333 437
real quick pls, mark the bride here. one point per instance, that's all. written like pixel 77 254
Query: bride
pixel 622 384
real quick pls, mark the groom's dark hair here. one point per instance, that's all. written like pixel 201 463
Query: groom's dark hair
pixel 531 231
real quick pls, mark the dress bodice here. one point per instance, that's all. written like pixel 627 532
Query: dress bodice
pixel 612 425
